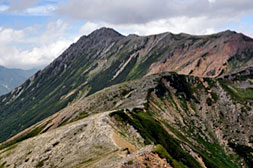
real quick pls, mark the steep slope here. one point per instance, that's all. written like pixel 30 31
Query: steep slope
pixel 11 78
pixel 105 58
pixel 193 121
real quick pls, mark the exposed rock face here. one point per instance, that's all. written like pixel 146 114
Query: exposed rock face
pixel 147 159
pixel 210 56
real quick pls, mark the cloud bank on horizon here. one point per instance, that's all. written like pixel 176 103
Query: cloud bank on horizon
pixel 34 32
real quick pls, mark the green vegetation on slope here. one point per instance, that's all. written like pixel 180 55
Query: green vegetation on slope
pixel 161 151
pixel 244 151
pixel 241 95
pixel 212 154
pixel 153 132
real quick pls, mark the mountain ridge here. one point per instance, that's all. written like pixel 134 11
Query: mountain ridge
pixel 98 60
pixel 109 100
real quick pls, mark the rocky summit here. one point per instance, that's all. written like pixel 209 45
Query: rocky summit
pixel 166 100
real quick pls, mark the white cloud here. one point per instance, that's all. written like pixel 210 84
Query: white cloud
pixel 42 49
pixel 198 25
pixel 88 27
pixel 152 16
pixel 3 8
pixel 143 11
pixel 40 10
pixel 212 1
pixel 54 30
pixel 28 7
pixel 12 56
pixel 19 5
pixel 10 35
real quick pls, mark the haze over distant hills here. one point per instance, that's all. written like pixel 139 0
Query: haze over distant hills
pixel 174 100
pixel 11 78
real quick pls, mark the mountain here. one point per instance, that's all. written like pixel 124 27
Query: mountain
pixel 105 57
pixel 111 95
pixel 11 78
pixel 162 119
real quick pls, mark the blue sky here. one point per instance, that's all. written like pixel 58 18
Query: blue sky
pixel 34 32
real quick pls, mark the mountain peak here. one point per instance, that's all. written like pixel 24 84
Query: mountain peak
pixel 228 33
pixel 105 32
pixel 236 36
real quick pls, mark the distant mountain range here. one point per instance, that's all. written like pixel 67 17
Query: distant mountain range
pixel 11 78
pixel 165 100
